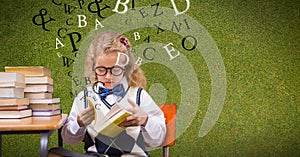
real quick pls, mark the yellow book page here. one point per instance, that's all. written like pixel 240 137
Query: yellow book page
pixel 91 104
pixel 111 128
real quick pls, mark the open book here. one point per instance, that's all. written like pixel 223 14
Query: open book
pixel 109 125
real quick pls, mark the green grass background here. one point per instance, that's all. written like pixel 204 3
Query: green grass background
pixel 259 44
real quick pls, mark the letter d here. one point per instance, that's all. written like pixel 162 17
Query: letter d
pixel 119 59
pixel 176 10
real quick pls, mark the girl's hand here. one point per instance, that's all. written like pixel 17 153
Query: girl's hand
pixel 85 117
pixel 137 118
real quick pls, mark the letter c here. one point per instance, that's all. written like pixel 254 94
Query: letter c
pixel 58 32
pixel 53 1
pixel 67 22
pixel 144 53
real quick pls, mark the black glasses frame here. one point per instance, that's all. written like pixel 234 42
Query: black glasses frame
pixel 110 69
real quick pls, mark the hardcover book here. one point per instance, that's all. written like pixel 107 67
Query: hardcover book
pixel 11 76
pixel 16 113
pixel 39 88
pixel 11 92
pixel 45 113
pixel 13 107
pixel 12 84
pixel 12 79
pixel 37 107
pixel 39 80
pixel 13 101
pixel 44 101
pixel 25 120
pixel 29 70
pixel 38 95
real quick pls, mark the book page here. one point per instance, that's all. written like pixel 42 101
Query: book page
pixel 114 110
pixel 111 127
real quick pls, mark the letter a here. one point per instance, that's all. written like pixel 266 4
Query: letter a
pixel 124 4
pixel 57 41
pixel 176 10
pixel 98 23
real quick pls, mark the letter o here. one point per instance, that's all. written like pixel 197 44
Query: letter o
pixel 194 46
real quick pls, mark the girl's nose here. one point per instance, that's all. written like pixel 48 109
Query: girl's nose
pixel 108 75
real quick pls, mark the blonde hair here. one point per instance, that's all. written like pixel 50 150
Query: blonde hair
pixel 112 42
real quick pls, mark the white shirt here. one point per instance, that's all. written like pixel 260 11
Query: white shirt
pixel 153 132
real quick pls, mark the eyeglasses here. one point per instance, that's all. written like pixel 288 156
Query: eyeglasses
pixel 115 70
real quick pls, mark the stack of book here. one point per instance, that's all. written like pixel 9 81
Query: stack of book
pixel 38 89
pixel 13 105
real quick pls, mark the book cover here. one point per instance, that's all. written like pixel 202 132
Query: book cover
pixel 11 76
pixel 37 95
pixel 44 101
pixel 11 92
pixel 13 101
pixel 39 88
pixel 29 70
pixel 16 114
pixel 39 80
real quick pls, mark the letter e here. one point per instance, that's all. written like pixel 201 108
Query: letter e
pixel 169 51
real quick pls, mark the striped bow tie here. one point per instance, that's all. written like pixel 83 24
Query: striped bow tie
pixel 117 90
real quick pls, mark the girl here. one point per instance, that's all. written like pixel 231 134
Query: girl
pixel 110 63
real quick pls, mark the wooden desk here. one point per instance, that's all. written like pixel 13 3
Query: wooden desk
pixel 33 125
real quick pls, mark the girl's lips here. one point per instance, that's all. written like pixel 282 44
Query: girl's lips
pixel 108 85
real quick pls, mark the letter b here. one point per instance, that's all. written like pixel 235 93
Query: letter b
pixel 124 4
pixel 137 36
pixel 81 18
